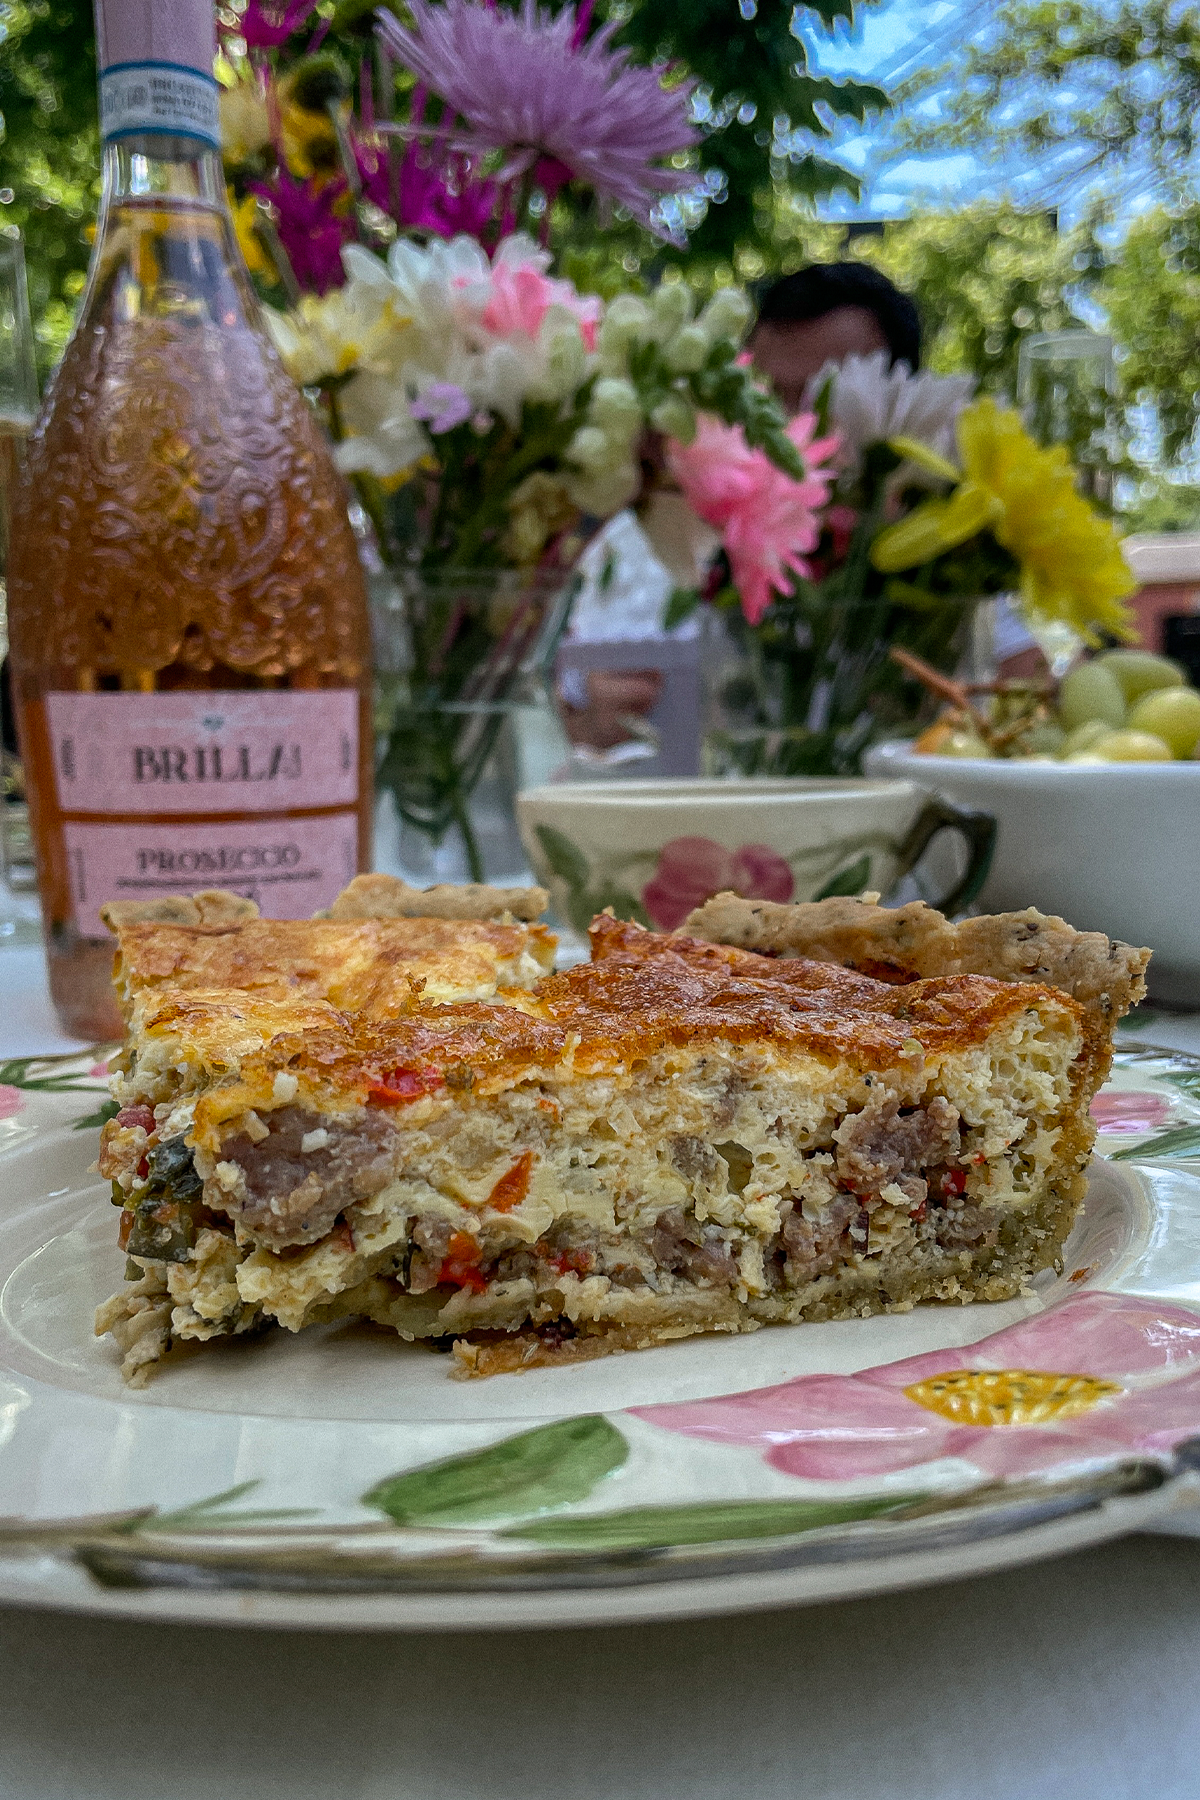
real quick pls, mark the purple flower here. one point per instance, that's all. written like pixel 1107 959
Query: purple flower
pixel 529 81
pixel 265 26
pixel 310 228
pixel 442 405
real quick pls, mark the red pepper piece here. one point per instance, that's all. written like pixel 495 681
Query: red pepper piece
pixel 143 1167
pixel 137 1115
pixel 460 1267
pixel 572 1262
pixel 513 1185
pixel 954 1181
pixel 398 1087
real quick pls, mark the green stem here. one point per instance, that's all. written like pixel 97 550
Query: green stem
pixel 462 819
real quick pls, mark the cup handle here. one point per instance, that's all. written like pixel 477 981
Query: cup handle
pixel 978 831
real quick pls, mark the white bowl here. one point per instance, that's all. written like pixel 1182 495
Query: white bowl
pixel 1112 847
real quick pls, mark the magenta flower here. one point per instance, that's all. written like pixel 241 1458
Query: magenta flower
pixel 1097 1375
pixel 12 1101
pixel 265 26
pixel 767 520
pixel 442 405
pixel 310 228
pixel 692 869
pixel 529 81
pixel 435 189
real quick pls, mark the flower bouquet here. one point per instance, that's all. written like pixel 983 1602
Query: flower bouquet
pixel 922 500
pixel 489 415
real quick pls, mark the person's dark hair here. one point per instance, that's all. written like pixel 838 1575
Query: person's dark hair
pixel 823 287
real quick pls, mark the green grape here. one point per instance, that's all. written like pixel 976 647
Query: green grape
pixel 1091 691
pixel 1131 746
pixel 1139 672
pixel 1172 714
pixel 1084 736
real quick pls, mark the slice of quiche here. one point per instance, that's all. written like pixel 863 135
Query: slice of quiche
pixel 681 1136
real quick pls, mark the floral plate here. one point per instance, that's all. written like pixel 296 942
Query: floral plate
pixel 304 1481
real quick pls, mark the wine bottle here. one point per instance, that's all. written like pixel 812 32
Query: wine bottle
pixel 187 611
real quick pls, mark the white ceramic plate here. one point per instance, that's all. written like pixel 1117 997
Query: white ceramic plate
pixel 342 1478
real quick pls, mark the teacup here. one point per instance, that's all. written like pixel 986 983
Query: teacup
pixel 653 850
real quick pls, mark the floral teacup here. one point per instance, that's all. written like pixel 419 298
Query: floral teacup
pixel 654 850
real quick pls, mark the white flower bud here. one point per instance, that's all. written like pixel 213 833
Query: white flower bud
pixel 593 450
pixel 687 350
pixel 605 494
pixel 675 417
pixel 727 315
pixel 616 408
pixel 673 304
pixel 627 320
pixel 566 358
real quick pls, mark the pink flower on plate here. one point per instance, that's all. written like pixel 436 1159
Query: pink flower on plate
pixel 768 521
pixel 1122 1110
pixel 1096 1375
pixel 12 1101
pixel 691 869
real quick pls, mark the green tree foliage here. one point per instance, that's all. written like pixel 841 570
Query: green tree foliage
pixel 983 277
pixel 49 152
pixel 1098 88
pixel 1150 290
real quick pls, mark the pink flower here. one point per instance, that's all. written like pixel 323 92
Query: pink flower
pixel 768 521
pixel 443 405
pixel 691 869
pixel 529 81
pixel 838 1427
pixel 12 1101
pixel 521 297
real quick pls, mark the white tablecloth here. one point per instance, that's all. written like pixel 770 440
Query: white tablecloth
pixel 1064 1681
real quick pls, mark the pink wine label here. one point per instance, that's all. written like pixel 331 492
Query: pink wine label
pixel 196 753
pixel 289 867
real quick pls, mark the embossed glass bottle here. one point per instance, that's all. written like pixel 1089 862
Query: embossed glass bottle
pixel 187 612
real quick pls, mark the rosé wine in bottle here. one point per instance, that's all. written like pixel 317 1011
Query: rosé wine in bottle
pixel 187 612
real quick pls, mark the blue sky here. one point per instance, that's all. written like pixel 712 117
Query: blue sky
pixel 890 42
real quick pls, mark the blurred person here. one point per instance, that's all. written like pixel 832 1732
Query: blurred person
pixel 824 314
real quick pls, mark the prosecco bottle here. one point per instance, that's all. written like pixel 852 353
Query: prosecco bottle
pixel 187 613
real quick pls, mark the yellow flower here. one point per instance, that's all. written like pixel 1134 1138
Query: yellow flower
pixel 245 215
pixel 1070 559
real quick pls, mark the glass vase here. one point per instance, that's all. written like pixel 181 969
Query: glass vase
pixel 464 717
pixel 808 691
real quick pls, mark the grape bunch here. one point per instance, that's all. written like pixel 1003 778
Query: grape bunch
pixel 1122 706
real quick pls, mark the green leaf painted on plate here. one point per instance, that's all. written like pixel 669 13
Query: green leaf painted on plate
pixel 1186 1080
pixel 1184 1141
pixel 553 1465
pixel 706 1522
pixel 851 880
pixel 212 1513
pixel 101 1116
pixel 565 858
